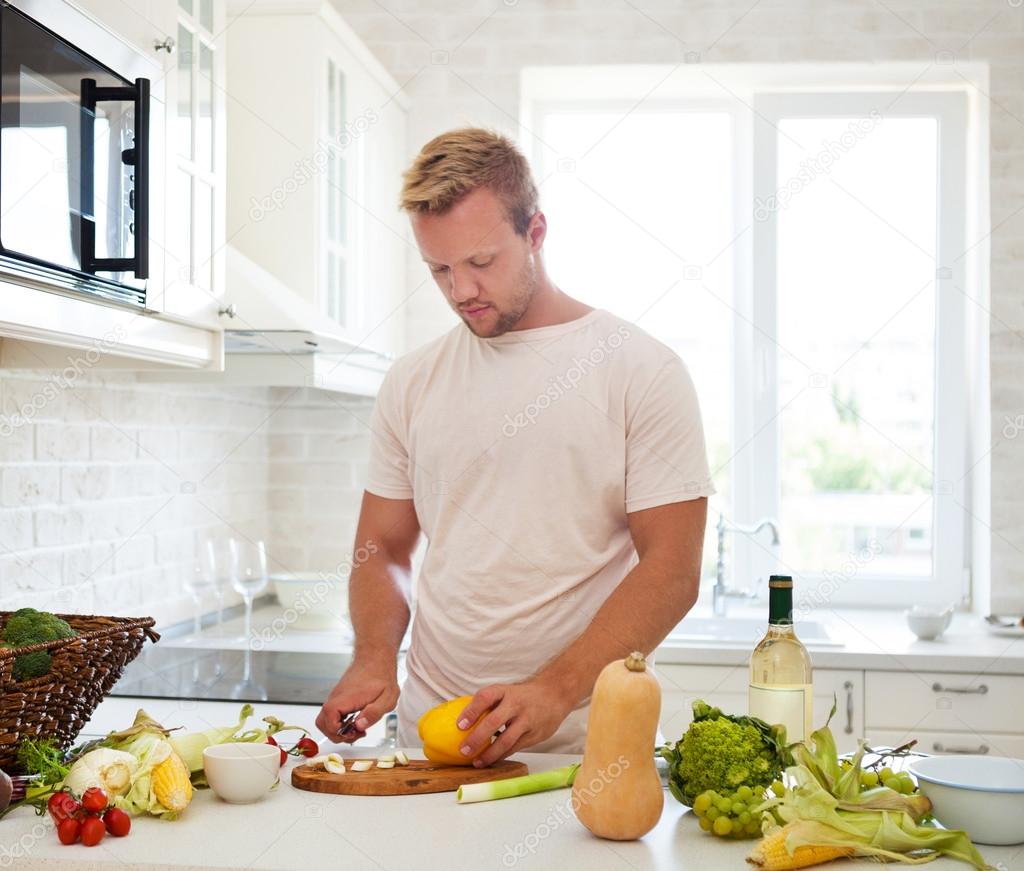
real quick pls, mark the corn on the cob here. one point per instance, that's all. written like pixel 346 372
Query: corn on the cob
pixel 772 854
pixel 171 783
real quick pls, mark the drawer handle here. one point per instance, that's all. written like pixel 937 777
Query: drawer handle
pixel 938 747
pixel 848 686
pixel 979 690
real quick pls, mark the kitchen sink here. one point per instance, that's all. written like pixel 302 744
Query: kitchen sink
pixel 745 630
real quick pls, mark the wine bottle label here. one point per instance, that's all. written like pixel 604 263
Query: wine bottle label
pixel 780 704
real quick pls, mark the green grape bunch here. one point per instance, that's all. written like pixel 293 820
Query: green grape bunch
pixel 735 814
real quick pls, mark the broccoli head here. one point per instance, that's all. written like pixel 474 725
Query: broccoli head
pixel 30 665
pixel 29 626
pixel 723 752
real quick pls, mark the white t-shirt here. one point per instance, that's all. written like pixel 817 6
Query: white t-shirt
pixel 523 454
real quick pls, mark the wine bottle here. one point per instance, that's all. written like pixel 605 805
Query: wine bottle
pixel 780 668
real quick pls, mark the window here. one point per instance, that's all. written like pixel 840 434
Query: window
pixel 193 180
pixel 803 253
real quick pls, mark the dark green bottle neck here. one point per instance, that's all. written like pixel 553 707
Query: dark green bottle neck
pixel 780 606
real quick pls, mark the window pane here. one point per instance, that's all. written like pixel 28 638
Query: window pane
pixel 336 301
pixel 184 124
pixel 180 232
pixel 856 315
pixel 641 223
pixel 204 121
pixel 187 6
pixel 204 235
pixel 206 14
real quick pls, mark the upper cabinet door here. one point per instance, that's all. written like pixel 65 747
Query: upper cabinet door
pixel 196 152
pixel 315 204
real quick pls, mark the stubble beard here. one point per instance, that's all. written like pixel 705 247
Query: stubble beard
pixel 526 288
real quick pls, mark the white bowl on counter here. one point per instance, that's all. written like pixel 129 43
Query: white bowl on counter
pixel 313 600
pixel 929 623
pixel 241 772
pixel 983 795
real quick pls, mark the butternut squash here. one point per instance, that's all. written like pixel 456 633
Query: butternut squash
pixel 617 793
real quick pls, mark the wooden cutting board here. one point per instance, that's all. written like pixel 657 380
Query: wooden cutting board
pixel 419 776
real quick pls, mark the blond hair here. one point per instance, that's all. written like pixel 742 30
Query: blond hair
pixel 454 164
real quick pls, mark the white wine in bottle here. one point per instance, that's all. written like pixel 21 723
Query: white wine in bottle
pixel 780 668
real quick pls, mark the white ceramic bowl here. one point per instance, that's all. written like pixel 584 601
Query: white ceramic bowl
pixel 313 600
pixel 241 772
pixel 929 624
pixel 983 795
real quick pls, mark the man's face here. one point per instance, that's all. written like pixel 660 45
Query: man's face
pixel 487 273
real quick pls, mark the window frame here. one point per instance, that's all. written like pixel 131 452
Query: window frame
pixel 754 95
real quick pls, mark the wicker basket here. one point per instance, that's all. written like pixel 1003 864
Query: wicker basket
pixel 85 668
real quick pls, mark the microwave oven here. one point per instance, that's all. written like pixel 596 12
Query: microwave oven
pixel 77 169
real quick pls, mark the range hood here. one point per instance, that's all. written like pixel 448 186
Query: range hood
pixel 265 316
pixel 275 338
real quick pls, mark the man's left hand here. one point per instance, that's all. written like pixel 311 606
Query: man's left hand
pixel 530 712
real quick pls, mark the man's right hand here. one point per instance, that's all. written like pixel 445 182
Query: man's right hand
pixel 372 691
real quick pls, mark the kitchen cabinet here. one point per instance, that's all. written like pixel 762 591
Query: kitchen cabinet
pixel 317 150
pixel 726 687
pixel 187 38
pixel 179 327
pixel 945 712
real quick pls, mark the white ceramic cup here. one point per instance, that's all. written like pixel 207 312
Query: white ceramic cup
pixel 929 623
pixel 241 772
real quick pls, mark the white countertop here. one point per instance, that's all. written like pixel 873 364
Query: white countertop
pixel 878 640
pixel 291 828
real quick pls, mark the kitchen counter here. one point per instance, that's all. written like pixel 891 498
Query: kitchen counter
pixel 291 828
pixel 869 639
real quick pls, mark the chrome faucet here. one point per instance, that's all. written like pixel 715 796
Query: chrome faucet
pixel 720 592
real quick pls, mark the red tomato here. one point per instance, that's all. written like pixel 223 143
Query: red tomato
pixel 94 800
pixel 284 753
pixel 307 747
pixel 62 806
pixel 93 831
pixel 118 823
pixel 68 831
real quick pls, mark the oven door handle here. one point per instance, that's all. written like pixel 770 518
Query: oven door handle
pixel 137 156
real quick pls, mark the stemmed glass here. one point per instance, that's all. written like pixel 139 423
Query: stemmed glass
pixel 202 580
pixel 248 574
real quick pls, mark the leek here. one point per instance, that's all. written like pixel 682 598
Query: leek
pixel 510 787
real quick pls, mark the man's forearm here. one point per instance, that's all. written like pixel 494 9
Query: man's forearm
pixel 379 608
pixel 638 615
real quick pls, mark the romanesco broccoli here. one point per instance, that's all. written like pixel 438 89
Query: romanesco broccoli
pixel 723 752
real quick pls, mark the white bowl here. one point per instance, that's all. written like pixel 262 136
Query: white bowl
pixel 312 600
pixel 242 772
pixel 929 624
pixel 983 795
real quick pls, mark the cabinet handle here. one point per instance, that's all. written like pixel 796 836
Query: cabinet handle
pixel 848 686
pixel 981 750
pixel 979 690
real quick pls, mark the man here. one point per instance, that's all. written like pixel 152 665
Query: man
pixel 552 454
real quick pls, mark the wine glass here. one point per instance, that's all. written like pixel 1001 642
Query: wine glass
pixel 202 579
pixel 248 575
pixel 249 578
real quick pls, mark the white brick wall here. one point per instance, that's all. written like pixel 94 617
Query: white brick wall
pixel 487 43
pixel 104 482
pixel 104 485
